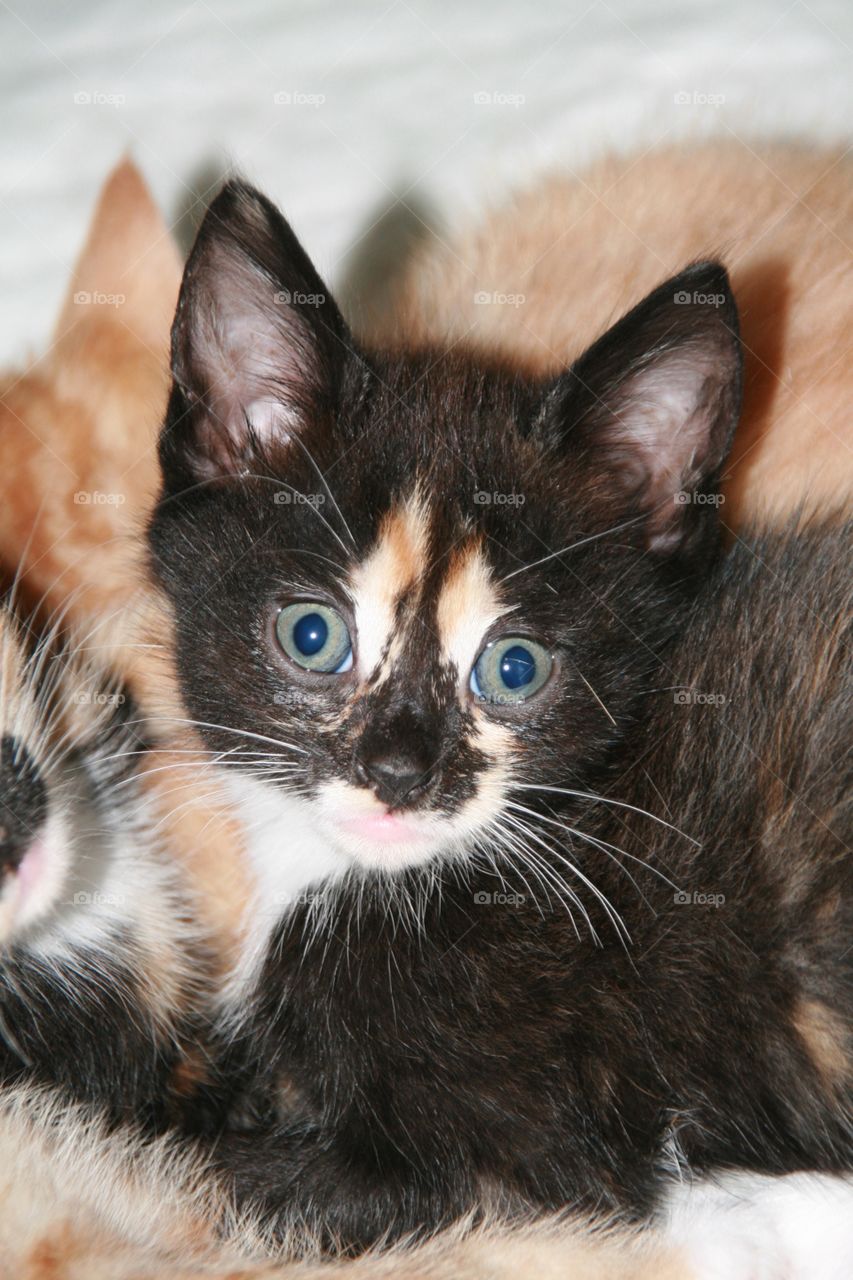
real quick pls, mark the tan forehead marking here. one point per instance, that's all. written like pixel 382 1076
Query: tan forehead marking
pixel 468 604
pixel 396 563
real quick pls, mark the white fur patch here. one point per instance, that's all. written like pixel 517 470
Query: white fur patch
pixel 748 1227
pixel 289 856
pixel 468 606
pixel 394 566
pixel 95 876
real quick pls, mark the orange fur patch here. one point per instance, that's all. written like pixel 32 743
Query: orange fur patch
pixel 468 605
pixel 827 1041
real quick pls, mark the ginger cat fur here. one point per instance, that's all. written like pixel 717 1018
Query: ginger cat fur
pixel 78 432
pixel 574 253
pixel 80 1203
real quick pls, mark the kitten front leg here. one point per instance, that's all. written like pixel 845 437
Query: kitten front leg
pixel 303 1177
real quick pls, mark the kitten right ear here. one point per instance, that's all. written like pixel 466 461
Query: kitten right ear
pixel 258 344
pixel 655 402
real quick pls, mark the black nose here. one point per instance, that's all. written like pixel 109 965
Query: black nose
pixel 396 777
pixel 23 802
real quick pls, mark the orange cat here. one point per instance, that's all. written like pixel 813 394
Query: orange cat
pixel 78 434
pixel 540 278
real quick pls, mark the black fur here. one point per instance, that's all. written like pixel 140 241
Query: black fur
pixel 512 1050
pixel 497 1050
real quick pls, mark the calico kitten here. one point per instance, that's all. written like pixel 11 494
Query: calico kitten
pixel 424 600
pixel 98 959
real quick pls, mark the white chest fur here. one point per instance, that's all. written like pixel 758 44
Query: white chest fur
pixel 292 862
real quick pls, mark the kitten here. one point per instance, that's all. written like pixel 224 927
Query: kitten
pixel 423 599
pixel 95 987
pixel 99 962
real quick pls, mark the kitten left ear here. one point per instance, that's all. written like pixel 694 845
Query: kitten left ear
pixel 258 344
pixel 655 402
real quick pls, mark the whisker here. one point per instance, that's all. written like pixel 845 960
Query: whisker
pixel 226 728
pixel 593 537
pixel 610 849
pixel 619 804
pixel 608 907
pixel 303 446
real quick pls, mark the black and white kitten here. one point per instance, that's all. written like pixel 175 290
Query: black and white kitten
pixel 426 603
pixel 99 960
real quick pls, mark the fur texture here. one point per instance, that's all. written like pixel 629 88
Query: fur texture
pixel 78 432
pixel 538 279
pixel 100 970
pixel 84 1203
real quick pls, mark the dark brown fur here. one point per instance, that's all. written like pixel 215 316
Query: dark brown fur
pixel 531 1051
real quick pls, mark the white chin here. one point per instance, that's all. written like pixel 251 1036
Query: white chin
pixel 363 830
pixel 383 854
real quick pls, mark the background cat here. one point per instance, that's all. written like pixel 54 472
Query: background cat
pixel 78 434
pixel 540 276
pixel 101 967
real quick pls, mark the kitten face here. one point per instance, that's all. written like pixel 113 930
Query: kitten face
pixel 53 845
pixel 34 841
pixel 408 585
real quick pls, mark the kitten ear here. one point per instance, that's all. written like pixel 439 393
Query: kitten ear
pixel 656 399
pixel 258 344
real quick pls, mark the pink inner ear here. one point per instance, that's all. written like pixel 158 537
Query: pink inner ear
pixel 272 421
pixel 252 354
pixel 666 423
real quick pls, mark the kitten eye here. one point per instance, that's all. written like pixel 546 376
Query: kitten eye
pixel 510 671
pixel 315 637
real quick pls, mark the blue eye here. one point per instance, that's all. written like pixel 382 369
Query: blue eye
pixel 510 671
pixel 315 637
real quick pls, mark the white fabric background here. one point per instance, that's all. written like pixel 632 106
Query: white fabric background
pixel 189 88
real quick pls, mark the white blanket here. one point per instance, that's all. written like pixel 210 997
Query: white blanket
pixel 341 108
